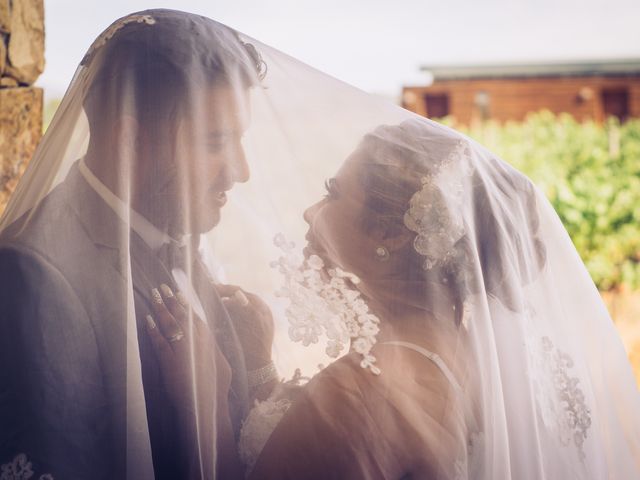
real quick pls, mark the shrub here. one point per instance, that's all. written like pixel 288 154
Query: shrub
pixel 591 175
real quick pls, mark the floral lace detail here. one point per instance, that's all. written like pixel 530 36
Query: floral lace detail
pixel 20 469
pixel 258 427
pixel 432 209
pixel 567 410
pixel 575 421
pixel 112 30
pixel 331 307
pixel 539 370
pixel 264 417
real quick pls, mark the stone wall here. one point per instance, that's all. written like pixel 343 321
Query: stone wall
pixel 21 104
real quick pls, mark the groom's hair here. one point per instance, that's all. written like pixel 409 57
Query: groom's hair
pixel 150 69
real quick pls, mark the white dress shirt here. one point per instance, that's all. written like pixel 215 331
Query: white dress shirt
pixel 153 237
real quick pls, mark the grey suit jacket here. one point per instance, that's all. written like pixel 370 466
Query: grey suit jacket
pixel 63 357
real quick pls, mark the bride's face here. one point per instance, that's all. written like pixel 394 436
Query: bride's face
pixel 336 228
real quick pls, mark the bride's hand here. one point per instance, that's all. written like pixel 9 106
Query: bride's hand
pixel 253 323
pixel 186 351
pixel 197 379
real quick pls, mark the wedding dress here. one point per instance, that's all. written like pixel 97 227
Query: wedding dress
pixel 184 155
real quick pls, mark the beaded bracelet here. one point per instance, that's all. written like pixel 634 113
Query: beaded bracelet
pixel 262 375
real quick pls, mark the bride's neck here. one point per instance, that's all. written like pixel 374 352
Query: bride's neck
pixel 401 322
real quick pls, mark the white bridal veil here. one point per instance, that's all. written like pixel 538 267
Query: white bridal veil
pixel 428 289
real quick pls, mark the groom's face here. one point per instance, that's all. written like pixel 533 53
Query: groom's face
pixel 213 155
pixel 201 161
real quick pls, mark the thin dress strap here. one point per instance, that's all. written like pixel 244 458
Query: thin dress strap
pixel 434 357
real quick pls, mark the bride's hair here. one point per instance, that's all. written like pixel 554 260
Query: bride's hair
pixel 397 158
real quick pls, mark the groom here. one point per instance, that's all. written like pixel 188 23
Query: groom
pixel 167 103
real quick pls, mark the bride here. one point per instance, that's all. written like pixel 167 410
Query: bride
pixel 477 342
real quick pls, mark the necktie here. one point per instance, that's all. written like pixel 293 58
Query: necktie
pixel 174 255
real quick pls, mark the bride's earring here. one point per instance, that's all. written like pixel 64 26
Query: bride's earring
pixel 382 254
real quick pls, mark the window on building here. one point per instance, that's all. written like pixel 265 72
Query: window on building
pixel 615 103
pixel 437 105
pixel 482 101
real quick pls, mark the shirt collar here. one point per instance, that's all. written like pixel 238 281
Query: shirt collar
pixel 153 237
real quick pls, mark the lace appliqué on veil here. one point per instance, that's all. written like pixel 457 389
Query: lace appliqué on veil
pixel 558 394
pixel 433 210
pixel 112 30
pixel 20 469
pixel 330 306
pixel 575 420
pixel 264 417
pixel 258 427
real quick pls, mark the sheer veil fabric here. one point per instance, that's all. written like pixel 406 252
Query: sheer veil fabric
pixel 427 289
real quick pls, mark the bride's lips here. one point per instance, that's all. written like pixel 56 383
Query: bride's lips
pixel 220 198
pixel 310 249
pixel 218 193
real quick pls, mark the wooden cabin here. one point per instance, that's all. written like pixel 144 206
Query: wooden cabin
pixel 587 90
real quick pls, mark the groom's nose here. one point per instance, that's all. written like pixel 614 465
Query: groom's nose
pixel 240 166
pixel 236 164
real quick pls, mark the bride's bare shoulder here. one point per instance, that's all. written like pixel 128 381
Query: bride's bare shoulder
pixel 347 385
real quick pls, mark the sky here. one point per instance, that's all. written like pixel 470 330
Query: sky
pixel 376 45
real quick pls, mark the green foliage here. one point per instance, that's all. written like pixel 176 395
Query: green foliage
pixel 591 175
pixel 49 111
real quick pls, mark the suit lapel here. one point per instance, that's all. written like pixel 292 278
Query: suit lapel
pixel 109 234
pixel 147 270
pixel 227 340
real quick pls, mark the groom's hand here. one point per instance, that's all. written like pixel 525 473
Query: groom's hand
pixel 253 323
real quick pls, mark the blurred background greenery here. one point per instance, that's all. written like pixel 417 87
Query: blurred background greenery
pixel 49 110
pixel 591 174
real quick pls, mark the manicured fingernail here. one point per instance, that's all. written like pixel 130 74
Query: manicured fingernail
pixel 241 298
pixel 157 298
pixel 150 321
pixel 166 290
pixel 182 300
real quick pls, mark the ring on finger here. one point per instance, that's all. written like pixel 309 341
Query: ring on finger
pixel 176 337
